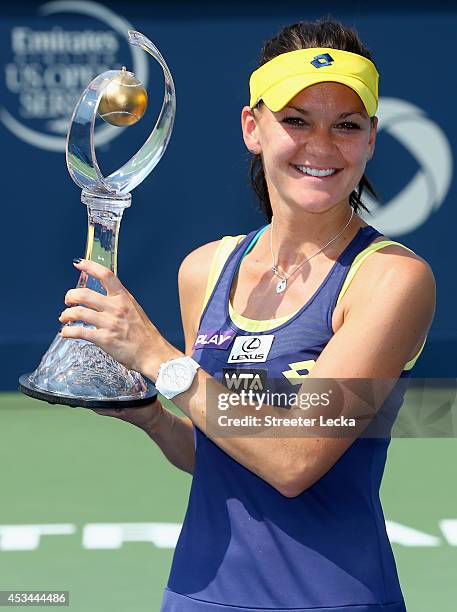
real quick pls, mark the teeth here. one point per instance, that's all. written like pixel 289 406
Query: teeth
pixel 314 172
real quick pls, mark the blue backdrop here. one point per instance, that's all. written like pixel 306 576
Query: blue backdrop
pixel 200 190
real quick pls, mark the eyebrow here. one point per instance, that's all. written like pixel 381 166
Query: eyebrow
pixel 303 111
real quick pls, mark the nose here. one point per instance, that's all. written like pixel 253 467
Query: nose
pixel 319 143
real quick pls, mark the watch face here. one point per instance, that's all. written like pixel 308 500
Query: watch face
pixel 176 376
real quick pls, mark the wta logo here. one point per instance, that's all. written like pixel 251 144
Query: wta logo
pixel 48 68
pixel 426 191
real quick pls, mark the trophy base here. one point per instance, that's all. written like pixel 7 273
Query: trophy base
pixel 28 388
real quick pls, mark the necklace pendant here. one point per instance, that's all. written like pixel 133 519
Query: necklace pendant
pixel 281 286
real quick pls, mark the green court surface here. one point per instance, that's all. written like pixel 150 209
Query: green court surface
pixel 89 505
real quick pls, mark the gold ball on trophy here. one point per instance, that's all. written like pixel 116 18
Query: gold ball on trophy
pixel 124 100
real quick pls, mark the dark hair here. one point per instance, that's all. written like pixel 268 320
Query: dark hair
pixel 305 35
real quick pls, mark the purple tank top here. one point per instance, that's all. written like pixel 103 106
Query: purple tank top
pixel 245 547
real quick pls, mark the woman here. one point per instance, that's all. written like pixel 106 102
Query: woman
pixel 282 523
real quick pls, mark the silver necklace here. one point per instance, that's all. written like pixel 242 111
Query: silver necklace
pixel 281 285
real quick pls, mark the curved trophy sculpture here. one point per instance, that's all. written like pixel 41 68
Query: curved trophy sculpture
pixel 76 372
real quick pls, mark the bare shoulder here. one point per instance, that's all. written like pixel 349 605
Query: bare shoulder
pixel 194 268
pixel 389 307
pixel 192 278
pixel 397 264
pixel 393 271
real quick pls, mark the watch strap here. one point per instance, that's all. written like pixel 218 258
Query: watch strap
pixel 162 388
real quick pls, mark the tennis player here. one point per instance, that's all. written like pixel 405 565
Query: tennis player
pixel 282 523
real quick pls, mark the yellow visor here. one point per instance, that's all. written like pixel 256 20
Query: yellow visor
pixel 283 77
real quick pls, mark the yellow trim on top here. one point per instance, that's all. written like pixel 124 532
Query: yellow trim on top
pixel 358 261
pixel 256 325
pixel 228 244
pixel 410 364
pixel 223 251
pixel 225 247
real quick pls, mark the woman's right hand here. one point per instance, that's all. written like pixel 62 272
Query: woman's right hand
pixel 145 417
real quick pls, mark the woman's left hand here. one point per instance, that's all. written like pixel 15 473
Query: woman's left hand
pixel 122 328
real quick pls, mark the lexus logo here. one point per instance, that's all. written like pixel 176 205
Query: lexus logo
pixel 251 345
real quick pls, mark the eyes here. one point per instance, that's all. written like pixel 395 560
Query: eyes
pixel 297 122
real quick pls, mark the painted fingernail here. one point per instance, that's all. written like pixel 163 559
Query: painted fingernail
pixel 77 260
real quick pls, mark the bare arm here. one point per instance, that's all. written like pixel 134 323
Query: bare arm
pixel 385 322
pixel 174 436
pixel 392 305
pixel 172 433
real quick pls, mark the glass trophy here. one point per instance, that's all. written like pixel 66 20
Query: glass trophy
pixel 76 372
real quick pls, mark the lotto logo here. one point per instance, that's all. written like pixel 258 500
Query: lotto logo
pixel 325 59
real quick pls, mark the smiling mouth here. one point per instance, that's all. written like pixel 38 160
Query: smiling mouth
pixel 315 173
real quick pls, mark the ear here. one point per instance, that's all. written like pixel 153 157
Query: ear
pixel 372 138
pixel 250 130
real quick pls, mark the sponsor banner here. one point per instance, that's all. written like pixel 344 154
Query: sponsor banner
pixel 49 53
pixel 49 63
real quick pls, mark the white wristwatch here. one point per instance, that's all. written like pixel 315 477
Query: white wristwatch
pixel 176 376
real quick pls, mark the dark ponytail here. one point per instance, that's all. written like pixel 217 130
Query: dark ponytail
pixel 305 35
